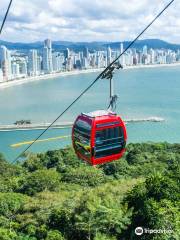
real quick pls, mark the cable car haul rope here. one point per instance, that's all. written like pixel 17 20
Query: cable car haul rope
pixel 100 136
pixel 5 16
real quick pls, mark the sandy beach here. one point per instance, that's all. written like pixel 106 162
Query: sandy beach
pixel 74 72
pixel 45 77
pixel 153 66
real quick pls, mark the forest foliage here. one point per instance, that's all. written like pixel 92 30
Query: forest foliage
pixel 56 196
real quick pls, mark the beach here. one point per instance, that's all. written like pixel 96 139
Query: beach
pixel 152 66
pixel 74 72
pixel 45 77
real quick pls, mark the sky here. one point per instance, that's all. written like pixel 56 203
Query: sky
pixel 89 20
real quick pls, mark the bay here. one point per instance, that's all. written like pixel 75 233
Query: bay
pixel 143 93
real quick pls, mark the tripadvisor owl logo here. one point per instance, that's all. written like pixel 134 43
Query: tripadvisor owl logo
pixel 139 231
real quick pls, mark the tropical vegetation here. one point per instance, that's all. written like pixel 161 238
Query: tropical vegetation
pixel 56 196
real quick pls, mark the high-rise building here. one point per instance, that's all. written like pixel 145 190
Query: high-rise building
pixel 5 63
pixel 47 56
pixel 48 43
pixel 33 63
pixel 67 53
pixel 122 62
pixel 55 62
pixel 39 64
pixel 86 53
pixel 85 63
pixel 121 48
pixel 109 56
pixel 15 70
pixel 145 50
pixel 45 60
pixel 23 67
pixel 152 56
pixel 1 75
pixel 81 56
pixel 58 61
pixel 128 58
pixel 69 64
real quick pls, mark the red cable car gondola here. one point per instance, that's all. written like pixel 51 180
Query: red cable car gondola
pixel 99 137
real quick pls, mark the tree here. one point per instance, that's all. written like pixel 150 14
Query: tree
pixel 85 176
pixel 34 162
pixel 61 218
pixel 22 236
pixel 54 235
pixel 162 187
pixel 10 205
pixel 155 205
pixel 6 234
pixel 7 169
pixel 163 215
pixel 117 169
pixel 101 214
pixel 100 236
pixel 39 181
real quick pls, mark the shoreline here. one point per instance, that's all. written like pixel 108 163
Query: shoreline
pixel 20 81
pixel 152 66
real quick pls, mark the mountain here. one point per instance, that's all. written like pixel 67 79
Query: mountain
pixel 150 43
pixel 79 46
pixel 57 45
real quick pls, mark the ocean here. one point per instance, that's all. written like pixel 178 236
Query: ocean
pixel 143 92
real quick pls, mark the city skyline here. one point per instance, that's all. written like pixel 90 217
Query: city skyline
pixel 115 20
pixel 16 64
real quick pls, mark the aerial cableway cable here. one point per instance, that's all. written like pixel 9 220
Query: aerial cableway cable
pixel 5 17
pixel 106 73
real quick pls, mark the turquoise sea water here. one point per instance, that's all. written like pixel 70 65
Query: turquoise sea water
pixel 142 93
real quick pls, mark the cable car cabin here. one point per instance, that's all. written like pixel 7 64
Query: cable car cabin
pixel 99 137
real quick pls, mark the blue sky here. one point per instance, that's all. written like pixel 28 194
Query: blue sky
pixel 87 20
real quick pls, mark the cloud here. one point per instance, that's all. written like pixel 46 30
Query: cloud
pixel 87 20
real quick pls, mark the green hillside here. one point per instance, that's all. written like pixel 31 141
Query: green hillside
pixel 55 196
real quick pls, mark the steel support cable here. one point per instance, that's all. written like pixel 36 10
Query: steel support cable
pixel 5 17
pixel 108 68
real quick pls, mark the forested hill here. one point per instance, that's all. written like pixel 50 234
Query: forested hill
pixel 79 46
pixel 55 196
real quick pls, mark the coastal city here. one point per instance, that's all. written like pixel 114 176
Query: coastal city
pixel 16 65
pixel 89 120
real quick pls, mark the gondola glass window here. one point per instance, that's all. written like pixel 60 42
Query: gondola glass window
pixel 109 141
pixel 82 137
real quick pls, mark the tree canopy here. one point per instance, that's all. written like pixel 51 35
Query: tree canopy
pixel 56 196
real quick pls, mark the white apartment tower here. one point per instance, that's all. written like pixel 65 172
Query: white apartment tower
pixel 109 56
pixel 47 56
pixel 5 63
pixel 67 53
pixel 33 63
pixel 145 50
pixel 122 60
pixel 15 70
pixel 1 75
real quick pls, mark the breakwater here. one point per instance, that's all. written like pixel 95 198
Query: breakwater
pixel 34 126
